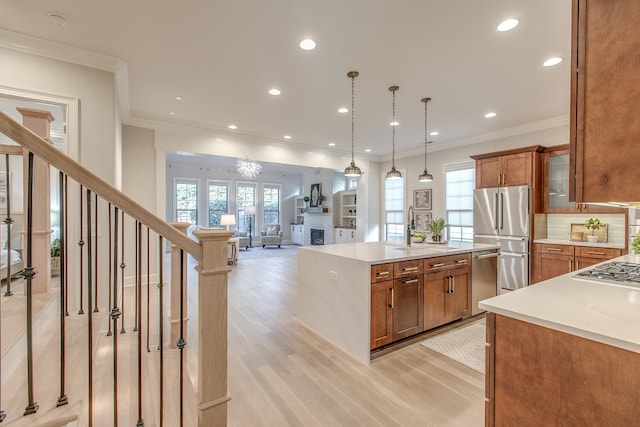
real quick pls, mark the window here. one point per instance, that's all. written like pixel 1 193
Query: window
pixel 246 195
pixel 218 201
pixel 459 184
pixel 394 209
pixel 187 201
pixel 271 196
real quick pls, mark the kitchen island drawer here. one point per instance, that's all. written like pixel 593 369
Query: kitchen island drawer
pixel 407 268
pixel 547 248
pixel 446 262
pixel 595 252
pixel 381 272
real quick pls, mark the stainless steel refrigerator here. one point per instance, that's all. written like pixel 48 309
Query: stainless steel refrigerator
pixel 503 216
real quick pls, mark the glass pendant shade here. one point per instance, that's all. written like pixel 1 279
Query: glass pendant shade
pixel 352 170
pixel 393 173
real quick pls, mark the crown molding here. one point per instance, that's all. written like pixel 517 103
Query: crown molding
pixel 540 125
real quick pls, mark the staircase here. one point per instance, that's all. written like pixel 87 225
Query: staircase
pixel 107 342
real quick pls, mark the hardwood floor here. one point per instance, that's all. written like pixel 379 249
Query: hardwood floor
pixel 282 374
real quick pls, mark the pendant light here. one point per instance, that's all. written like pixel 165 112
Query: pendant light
pixel 393 173
pixel 425 176
pixel 352 170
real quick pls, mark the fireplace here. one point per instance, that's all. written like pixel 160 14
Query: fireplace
pixel 317 236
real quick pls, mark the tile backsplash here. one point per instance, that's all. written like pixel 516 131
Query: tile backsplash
pixel 559 225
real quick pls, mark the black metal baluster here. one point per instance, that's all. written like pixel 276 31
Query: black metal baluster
pixel 29 273
pixel 81 244
pixel 89 298
pixel 139 316
pixel 137 275
pixel 64 248
pixel 109 333
pixel 115 314
pixel 62 398
pixel 9 221
pixel 95 277
pixel 161 324
pixel 148 287
pixel 181 341
pixel 122 267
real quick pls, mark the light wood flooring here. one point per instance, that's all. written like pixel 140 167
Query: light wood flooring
pixel 282 374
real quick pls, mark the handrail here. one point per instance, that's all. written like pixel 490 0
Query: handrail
pixel 83 176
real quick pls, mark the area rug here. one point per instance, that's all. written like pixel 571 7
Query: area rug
pixel 267 252
pixel 465 345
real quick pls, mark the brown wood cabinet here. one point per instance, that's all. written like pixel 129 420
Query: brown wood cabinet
pixel 605 100
pixel 447 293
pixel 552 260
pixel 537 376
pixel 407 306
pixel 555 185
pixel 507 168
pixel 381 314
pixel 401 300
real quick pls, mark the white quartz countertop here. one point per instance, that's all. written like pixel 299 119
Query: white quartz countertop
pixel 573 243
pixel 380 252
pixel 606 313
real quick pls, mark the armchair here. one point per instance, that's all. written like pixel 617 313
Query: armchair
pixel 271 235
pixel 243 240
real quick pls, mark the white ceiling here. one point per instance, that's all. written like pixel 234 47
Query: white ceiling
pixel 222 57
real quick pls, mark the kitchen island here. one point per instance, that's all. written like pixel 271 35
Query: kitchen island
pixel 565 351
pixel 336 283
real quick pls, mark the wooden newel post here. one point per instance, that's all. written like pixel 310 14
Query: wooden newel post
pixel 212 327
pixel 37 121
pixel 174 314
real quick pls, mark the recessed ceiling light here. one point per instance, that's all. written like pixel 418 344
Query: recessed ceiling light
pixel 552 61
pixel 490 115
pixel 507 24
pixel 396 123
pixel 172 113
pixel 287 137
pixel 307 44
pixel 59 20
pixel 274 92
pixel 434 133
pixel 232 127
pixel 332 144
pixel 178 98
pixel 367 150
pixel 343 110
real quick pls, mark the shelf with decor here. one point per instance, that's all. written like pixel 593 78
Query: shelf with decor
pixel 348 208
pixel 300 207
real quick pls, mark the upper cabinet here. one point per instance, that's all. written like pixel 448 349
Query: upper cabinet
pixel 605 101
pixel 507 168
pixel 555 185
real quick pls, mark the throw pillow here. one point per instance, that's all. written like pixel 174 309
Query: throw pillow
pixel 272 231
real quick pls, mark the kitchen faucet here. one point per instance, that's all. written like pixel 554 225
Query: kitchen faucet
pixel 410 224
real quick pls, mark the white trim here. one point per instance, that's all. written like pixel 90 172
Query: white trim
pixel 69 104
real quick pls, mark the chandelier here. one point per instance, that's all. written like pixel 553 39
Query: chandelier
pixel 248 169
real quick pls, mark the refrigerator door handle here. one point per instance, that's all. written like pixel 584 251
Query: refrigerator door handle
pixel 495 210
pixel 501 211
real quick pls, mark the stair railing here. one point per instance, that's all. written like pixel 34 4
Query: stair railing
pixel 209 250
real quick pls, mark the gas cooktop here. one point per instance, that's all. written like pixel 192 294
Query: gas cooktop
pixel 621 273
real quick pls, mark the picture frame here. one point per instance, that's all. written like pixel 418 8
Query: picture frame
pixel 420 221
pixel 314 195
pixel 422 199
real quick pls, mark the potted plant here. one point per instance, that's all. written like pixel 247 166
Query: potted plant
pixel 306 201
pixel 55 253
pixel 435 227
pixel 321 199
pixel 635 244
pixel 592 224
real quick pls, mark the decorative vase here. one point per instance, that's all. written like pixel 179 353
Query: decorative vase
pixel 436 237
pixel 592 239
